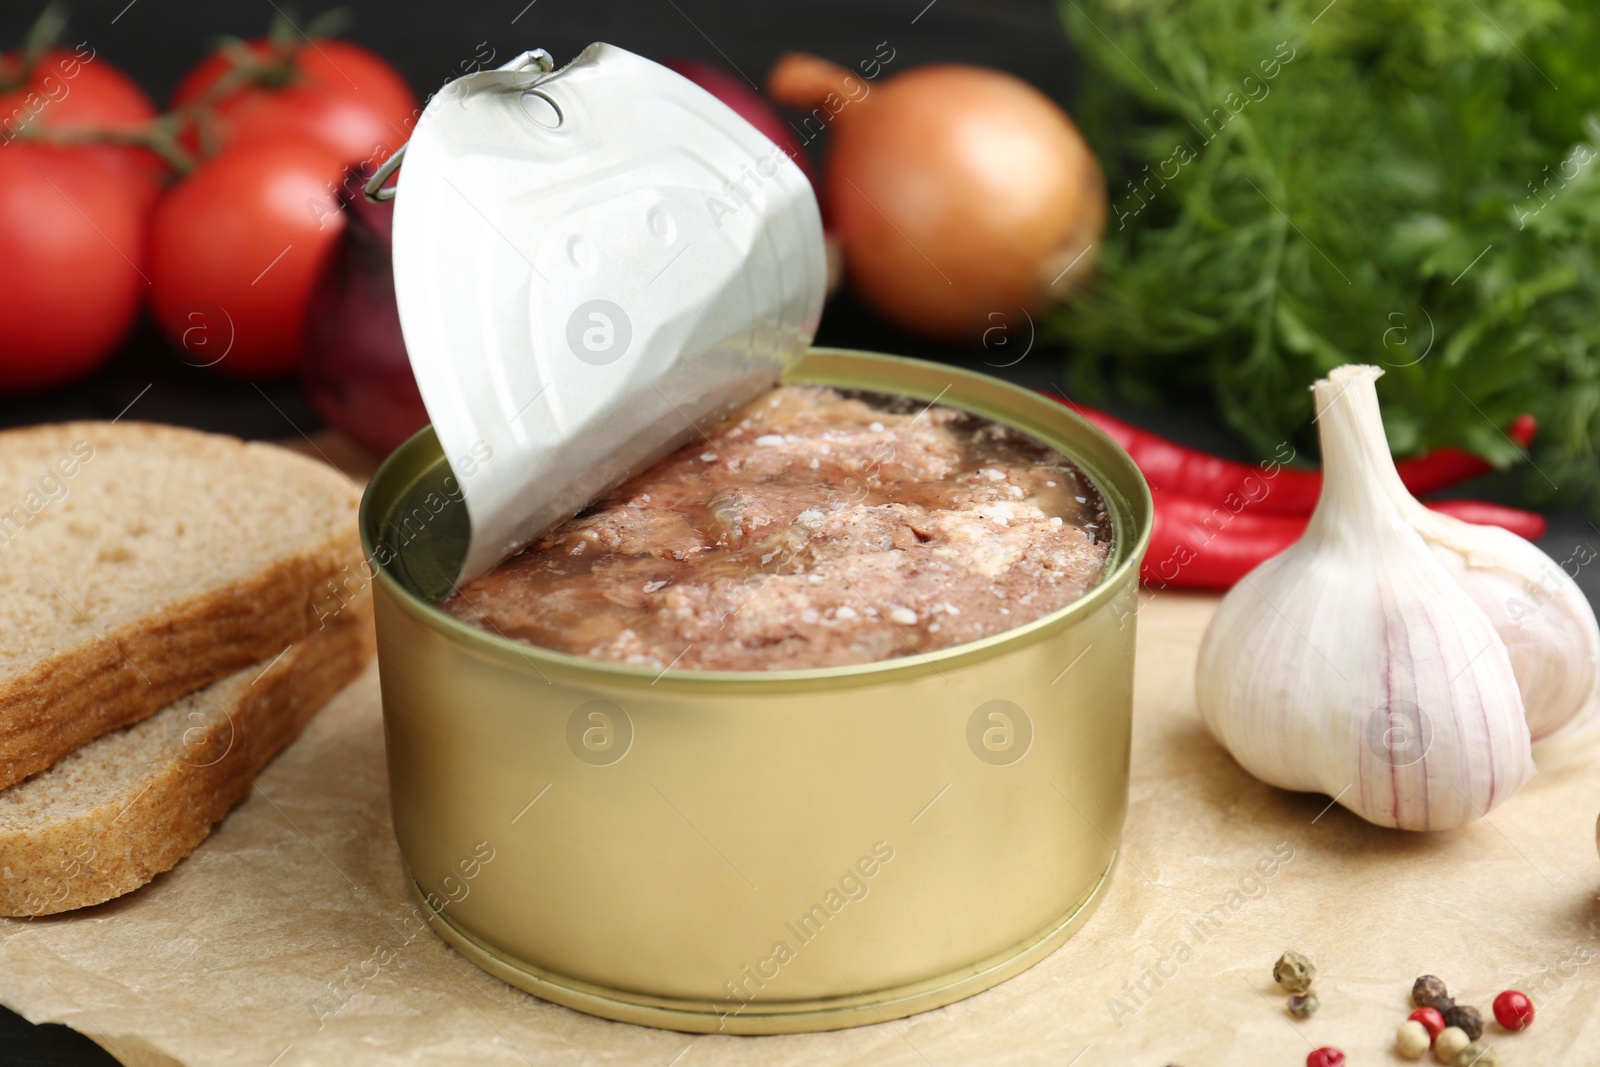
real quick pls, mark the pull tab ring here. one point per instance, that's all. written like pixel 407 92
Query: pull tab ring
pixel 378 193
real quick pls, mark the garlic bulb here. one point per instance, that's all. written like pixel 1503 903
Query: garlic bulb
pixel 1537 609
pixel 1353 663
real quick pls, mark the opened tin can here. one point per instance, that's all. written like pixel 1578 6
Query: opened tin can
pixel 748 852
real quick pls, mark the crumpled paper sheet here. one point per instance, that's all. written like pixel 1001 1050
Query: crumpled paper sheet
pixel 286 939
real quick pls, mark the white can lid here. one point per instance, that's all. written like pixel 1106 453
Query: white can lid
pixel 591 265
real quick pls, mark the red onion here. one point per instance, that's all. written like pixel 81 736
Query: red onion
pixel 355 369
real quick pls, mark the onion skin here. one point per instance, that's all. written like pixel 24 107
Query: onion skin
pixel 354 367
pixel 956 190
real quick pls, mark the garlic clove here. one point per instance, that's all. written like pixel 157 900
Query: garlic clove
pixel 1353 664
pixel 1537 609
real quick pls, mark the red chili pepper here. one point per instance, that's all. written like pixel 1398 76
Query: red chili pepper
pixel 1195 544
pixel 1202 476
pixel 1526 524
pixel 1270 487
pixel 1445 467
pixel 1198 545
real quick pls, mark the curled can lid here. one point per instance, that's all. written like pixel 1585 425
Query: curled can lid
pixel 591 266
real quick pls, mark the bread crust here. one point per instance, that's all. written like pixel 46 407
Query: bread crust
pixel 121 675
pixel 82 692
pixel 95 853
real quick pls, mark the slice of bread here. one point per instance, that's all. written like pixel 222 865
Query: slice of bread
pixel 141 562
pixel 130 804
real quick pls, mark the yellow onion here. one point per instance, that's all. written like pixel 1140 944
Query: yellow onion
pixel 956 191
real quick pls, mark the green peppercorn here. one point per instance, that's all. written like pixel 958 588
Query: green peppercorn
pixel 1478 1054
pixel 1294 972
pixel 1466 1017
pixel 1304 1005
pixel 1428 991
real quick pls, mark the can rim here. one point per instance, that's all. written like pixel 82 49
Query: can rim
pixel 1108 466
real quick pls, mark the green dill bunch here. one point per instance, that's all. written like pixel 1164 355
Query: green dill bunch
pixel 1297 185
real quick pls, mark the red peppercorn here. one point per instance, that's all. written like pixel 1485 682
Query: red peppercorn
pixel 1513 1010
pixel 1431 1019
pixel 1325 1057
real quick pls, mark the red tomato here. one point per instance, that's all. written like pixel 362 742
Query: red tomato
pixel 235 250
pixel 74 90
pixel 335 92
pixel 72 245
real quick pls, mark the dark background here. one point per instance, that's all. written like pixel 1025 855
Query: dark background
pixel 155 41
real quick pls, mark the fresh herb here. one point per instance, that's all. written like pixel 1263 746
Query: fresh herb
pixel 1300 184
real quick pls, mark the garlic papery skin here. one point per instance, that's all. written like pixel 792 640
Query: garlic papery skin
pixel 1353 664
pixel 1541 615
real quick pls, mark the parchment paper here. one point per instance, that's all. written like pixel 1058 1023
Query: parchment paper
pixel 286 938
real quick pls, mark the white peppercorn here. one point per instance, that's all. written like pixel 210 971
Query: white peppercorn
pixel 1411 1040
pixel 1451 1040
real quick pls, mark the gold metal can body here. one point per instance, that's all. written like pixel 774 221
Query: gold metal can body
pixel 758 852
